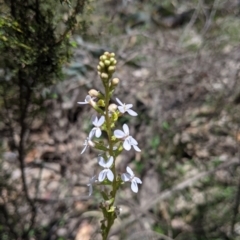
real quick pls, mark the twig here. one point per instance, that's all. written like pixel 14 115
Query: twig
pixel 211 16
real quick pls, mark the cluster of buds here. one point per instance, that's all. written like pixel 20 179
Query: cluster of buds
pixel 117 140
pixel 106 66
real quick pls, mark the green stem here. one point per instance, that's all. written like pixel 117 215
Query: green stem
pixel 110 215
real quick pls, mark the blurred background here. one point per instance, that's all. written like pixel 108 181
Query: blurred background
pixel 178 64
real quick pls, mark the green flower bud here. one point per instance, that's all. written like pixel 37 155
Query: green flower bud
pixel 115 116
pixel 98 68
pixel 104 76
pixel 112 60
pixel 101 103
pixel 103 57
pixel 101 64
pixel 112 54
pixel 106 62
pixel 111 69
pixel 106 54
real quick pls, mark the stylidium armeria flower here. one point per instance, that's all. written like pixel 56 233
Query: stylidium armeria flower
pixel 107 172
pixel 88 100
pixel 126 108
pixel 130 177
pixel 128 140
pixel 92 180
pixel 97 123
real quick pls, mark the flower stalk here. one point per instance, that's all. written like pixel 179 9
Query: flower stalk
pixel 110 148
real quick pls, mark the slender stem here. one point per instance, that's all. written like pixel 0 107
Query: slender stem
pixel 110 215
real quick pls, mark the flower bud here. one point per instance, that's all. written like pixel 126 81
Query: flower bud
pixel 112 60
pixel 112 107
pixel 112 54
pixel 106 54
pixel 115 81
pixel 111 69
pixel 103 57
pixel 93 93
pixel 104 76
pixel 101 64
pixel 101 103
pixel 106 62
pixel 99 68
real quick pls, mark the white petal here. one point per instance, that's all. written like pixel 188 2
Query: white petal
pixel 119 134
pixel 109 162
pixel 131 112
pixel 110 175
pixel 101 121
pixel 128 106
pixel 101 162
pixel 132 141
pixel 129 170
pixel 91 134
pixel 119 101
pixel 88 98
pixel 95 121
pixel 102 175
pixel 84 149
pixel 126 177
pixel 126 145
pixel 126 129
pixel 121 109
pixel 136 148
pixel 134 186
pixel 98 132
pixel 90 190
pixel 138 180
pixel 82 102
pixel 92 179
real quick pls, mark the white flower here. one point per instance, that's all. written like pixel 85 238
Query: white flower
pixel 128 140
pixel 126 108
pixel 107 172
pixel 88 100
pixel 130 177
pixel 92 180
pixel 97 123
pixel 88 142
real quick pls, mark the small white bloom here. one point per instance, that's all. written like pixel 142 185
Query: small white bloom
pixel 107 172
pixel 126 108
pixel 130 177
pixel 128 140
pixel 97 123
pixel 88 100
pixel 92 180
pixel 88 142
